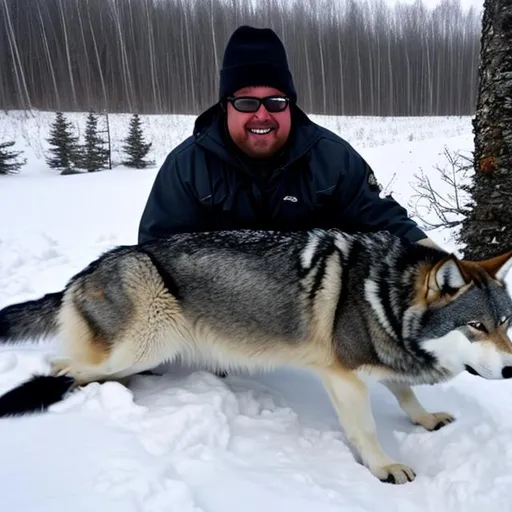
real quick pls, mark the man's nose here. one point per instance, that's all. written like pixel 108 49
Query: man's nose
pixel 262 113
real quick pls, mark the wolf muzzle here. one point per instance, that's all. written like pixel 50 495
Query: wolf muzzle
pixel 506 372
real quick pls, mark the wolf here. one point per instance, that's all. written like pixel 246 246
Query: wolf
pixel 347 307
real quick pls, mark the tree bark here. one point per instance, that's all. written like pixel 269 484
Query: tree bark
pixel 487 230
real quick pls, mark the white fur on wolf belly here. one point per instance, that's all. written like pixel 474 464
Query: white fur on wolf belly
pixel 454 351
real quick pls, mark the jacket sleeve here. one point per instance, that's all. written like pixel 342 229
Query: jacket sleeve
pixel 171 206
pixel 363 208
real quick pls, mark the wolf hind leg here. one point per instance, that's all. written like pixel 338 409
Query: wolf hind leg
pixel 124 359
pixel 351 400
pixel 414 410
pixel 82 374
pixel 134 327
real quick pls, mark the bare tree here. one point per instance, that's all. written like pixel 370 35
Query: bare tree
pixel 48 57
pixel 17 62
pixel 63 18
pixel 447 206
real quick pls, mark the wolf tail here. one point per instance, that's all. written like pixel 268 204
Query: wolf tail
pixel 34 319
pixel 35 395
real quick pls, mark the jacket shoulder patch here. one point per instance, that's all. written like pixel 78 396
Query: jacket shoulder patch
pixel 372 181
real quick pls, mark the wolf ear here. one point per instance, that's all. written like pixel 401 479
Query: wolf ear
pixel 498 266
pixel 446 275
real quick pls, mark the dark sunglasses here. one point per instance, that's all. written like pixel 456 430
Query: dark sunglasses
pixel 252 103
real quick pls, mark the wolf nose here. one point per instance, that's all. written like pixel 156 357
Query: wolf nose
pixel 507 372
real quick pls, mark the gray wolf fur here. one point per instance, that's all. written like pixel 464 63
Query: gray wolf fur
pixel 342 306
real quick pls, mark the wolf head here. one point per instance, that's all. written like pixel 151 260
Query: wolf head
pixel 467 315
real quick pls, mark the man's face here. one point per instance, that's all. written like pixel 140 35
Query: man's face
pixel 244 127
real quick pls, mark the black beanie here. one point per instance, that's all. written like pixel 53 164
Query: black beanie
pixel 255 57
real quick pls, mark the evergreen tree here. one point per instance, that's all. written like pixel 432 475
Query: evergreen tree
pixel 65 153
pixel 94 156
pixel 135 146
pixel 8 162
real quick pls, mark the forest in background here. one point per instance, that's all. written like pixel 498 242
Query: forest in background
pixel 348 57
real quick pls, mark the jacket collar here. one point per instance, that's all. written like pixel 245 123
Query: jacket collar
pixel 209 126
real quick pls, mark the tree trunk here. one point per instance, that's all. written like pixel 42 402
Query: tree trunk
pixel 487 230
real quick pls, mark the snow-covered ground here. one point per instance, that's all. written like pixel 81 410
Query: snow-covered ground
pixel 187 440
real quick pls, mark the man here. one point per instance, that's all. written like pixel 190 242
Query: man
pixel 255 160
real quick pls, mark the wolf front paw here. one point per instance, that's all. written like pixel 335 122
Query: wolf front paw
pixel 394 474
pixel 435 421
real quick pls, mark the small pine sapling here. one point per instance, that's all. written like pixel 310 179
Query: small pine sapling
pixel 135 146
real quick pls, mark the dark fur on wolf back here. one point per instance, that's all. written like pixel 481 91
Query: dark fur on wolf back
pixel 35 395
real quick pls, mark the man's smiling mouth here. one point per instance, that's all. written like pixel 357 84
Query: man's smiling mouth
pixel 260 131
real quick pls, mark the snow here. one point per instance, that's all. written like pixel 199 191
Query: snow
pixel 186 440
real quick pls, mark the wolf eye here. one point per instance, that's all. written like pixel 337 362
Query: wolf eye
pixel 479 326
pixel 504 320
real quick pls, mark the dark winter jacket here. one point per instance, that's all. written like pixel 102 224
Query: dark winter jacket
pixel 318 180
